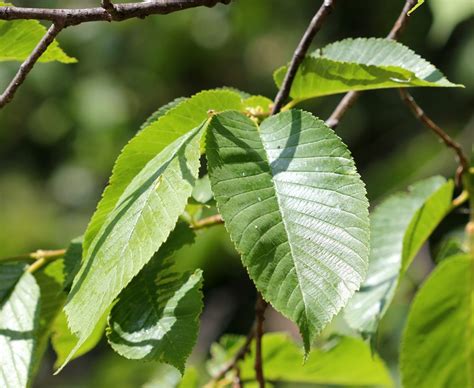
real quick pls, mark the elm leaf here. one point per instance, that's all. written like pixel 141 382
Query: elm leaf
pixel 296 210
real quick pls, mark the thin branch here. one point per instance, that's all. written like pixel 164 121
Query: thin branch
pixel 208 221
pixel 402 20
pixel 260 308
pixel 240 355
pixel 463 161
pixel 351 97
pixel 69 17
pixel 255 332
pixel 28 64
pixel 346 102
pixel 300 52
pixel 37 255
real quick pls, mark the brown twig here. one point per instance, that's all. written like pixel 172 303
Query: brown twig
pixel 240 355
pixel 260 308
pixel 300 52
pixel 70 17
pixel 28 64
pixel 351 97
pixel 463 161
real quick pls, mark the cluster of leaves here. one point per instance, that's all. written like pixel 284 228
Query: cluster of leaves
pixel 295 207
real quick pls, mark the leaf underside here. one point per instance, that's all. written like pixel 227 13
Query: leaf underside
pixel 141 221
pixel 152 140
pixel 399 227
pixel 157 315
pixel 295 209
pixel 361 64
pixel 19 320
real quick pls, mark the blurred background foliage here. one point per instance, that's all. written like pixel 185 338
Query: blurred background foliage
pixel 60 136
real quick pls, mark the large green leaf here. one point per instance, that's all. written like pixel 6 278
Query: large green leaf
pixel 438 343
pixel 18 38
pixel 149 142
pixel 342 361
pixel 399 227
pixel 361 64
pixel 296 210
pixel 18 328
pixel 140 222
pixel 157 315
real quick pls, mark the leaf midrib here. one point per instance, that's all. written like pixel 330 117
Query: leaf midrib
pixel 285 226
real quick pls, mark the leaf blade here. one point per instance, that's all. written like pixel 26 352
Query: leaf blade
pixel 184 117
pixel 438 342
pixel 18 325
pixel 142 220
pixel 18 38
pixel 157 315
pixel 261 184
pixel 399 227
pixel 326 365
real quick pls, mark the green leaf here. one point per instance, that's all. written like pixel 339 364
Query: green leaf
pixel 399 227
pixel 64 342
pixel 438 343
pixel 50 280
pixel 341 361
pixel 157 315
pixel 18 327
pixel 425 220
pixel 162 111
pixel 10 273
pixel 361 64
pixel 148 143
pixel 18 38
pixel 452 244
pixel 72 261
pixel 295 209
pixel 141 221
